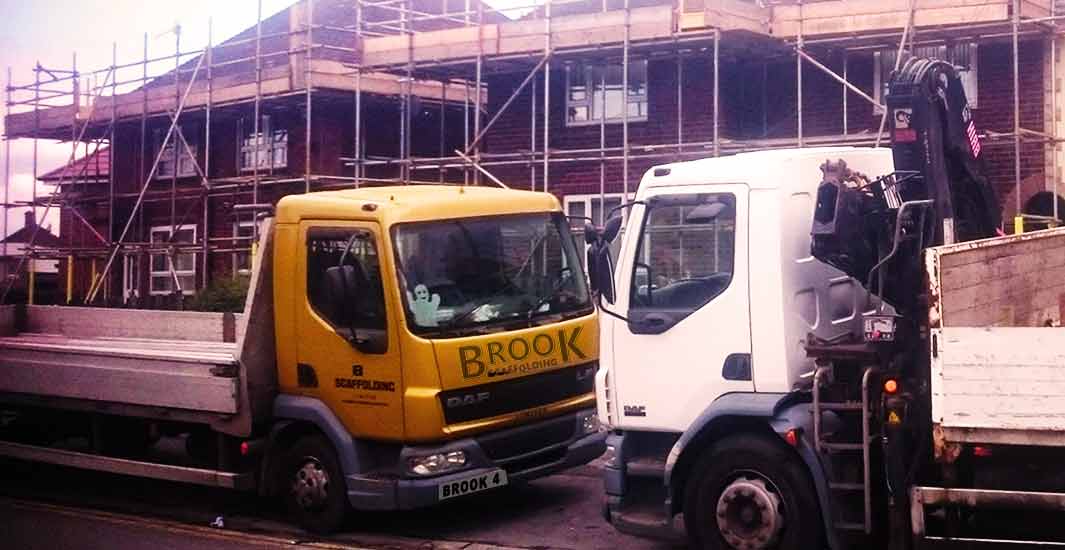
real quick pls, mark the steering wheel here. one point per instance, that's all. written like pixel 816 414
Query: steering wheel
pixel 695 291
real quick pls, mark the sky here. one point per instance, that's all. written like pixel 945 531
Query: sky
pixel 51 31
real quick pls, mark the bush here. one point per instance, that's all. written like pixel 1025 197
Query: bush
pixel 222 295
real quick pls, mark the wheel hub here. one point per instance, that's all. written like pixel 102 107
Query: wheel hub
pixel 749 515
pixel 310 485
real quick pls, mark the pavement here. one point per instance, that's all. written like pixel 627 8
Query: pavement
pixel 50 507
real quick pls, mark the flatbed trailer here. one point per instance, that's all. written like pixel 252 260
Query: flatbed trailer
pixel 997 379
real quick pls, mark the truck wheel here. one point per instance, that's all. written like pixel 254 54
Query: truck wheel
pixel 748 493
pixel 312 485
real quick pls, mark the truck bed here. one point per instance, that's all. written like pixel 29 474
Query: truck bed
pixel 998 350
pixel 217 369
pixel 183 374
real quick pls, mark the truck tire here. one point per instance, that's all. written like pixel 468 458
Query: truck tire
pixel 748 492
pixel 312 485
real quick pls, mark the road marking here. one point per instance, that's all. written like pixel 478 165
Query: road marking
pixel 170 526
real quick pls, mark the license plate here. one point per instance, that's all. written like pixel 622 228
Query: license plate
pixel 472 484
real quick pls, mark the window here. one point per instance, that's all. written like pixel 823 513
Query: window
pixel 272 145
pixel 685 253
pixel 243 233
pixel 176 267
pixel 591 206
pixel 326 248
pixel 130 279
pixel 186 164
pixel 962 56
pixel 460 274
pixel 595 91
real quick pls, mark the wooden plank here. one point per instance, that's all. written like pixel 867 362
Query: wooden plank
pixel 1031 9
pixel 1022 309
pixel 847 8
pixel 92 322
pixel 116 379
pixel 1019 266
pixel 981 252
pixel 431 45
pixel 338 76
pixel 846 24
pixel 1007 281
pixel 22 124
pixel 1007 378
pixel 734 15
pixel 587 29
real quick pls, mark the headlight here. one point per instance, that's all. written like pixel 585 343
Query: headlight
pixel 590 424
pixel 610 457
pixel 436 463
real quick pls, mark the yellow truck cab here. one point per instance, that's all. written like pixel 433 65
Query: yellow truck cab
pixel 443 335
pixel 400 346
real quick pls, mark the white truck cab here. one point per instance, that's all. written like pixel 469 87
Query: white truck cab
pixel 714 293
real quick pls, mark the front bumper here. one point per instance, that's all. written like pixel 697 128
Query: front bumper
pixel 638 502
pixel 525 452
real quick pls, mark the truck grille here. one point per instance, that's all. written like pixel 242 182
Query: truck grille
pixel 528 392
pixel 526 439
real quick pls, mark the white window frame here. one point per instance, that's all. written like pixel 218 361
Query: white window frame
pixel 130 276
pixel 170 271
pixel 587 200
pixel 969 75
pixel 186 165
pixel 600 88
pixel 239 242
pixel 272 154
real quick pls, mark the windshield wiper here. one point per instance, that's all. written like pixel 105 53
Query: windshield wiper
pixel 454 321
pixel 555 291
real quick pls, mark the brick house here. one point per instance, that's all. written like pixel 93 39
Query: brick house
pixel 14 268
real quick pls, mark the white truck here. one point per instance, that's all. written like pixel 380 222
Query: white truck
pixel 740 415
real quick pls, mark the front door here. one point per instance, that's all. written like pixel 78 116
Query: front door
pixel 684 288
pixel 363 388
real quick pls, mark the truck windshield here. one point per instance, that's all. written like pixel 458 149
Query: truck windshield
pixel 467 273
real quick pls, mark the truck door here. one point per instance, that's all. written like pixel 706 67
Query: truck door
pixel 363 388
pixel 684 287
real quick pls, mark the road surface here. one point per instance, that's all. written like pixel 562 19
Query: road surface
pixel 49 507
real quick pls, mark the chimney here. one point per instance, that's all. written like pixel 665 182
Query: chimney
pixel 31 219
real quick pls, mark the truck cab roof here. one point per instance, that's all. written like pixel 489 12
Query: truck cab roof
pixel 762 169
pixel 411 203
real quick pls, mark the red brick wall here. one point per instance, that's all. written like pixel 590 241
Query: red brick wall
pixel 747 114
pixel 332 139
pixel 996 114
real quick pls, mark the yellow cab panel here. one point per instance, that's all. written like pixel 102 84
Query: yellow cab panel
pixel 484 312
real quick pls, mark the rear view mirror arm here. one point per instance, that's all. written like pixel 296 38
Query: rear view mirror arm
pixel 604 309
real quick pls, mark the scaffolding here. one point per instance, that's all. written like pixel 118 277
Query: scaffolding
pixel 446 55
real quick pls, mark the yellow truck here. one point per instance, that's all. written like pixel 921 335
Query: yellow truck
pixel 399 346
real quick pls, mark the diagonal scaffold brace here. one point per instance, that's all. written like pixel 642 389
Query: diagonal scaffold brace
pixel 97 284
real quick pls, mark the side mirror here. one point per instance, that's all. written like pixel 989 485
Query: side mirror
pixel 705 213
pixel 600 270
pixel 611 229
pixel 591 234
pixel 345 287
